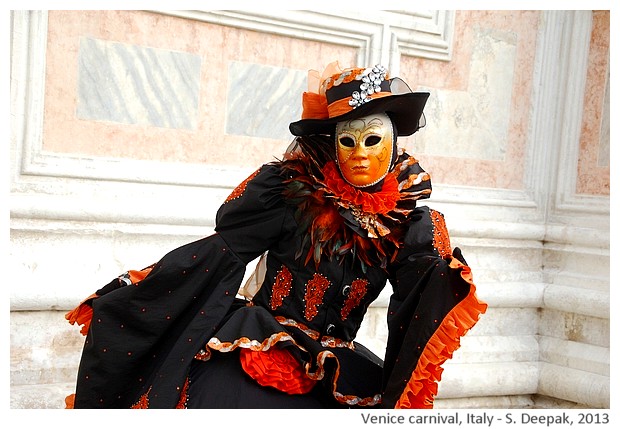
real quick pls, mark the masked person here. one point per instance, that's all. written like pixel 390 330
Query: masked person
pixel 335 221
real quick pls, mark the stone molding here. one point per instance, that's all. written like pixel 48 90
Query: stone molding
pixel 379 36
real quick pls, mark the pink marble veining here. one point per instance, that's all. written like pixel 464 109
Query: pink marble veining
pixel 454 75
pixel 592 177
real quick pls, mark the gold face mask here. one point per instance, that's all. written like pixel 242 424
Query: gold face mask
pixel 364 149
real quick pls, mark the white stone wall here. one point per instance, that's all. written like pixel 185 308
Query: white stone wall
pixel 539 253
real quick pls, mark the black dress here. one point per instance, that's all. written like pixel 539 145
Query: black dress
pixel 178 334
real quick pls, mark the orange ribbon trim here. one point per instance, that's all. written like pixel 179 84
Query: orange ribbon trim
pixel 422 387
pixel 340 107
pixel 315 105
pixel 82 314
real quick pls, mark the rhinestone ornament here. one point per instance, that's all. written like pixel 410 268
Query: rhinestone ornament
pixel 371 83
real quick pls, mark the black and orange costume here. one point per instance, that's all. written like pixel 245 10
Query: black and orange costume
pixel 179 334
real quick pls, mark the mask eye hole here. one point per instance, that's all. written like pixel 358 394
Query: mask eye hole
pixel 372 140
pixel 347 141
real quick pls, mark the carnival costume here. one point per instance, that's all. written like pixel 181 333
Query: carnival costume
pixel 186 333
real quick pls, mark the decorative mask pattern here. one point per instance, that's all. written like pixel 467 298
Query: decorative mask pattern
pixel 364 149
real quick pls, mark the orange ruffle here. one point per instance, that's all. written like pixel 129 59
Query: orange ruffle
pixel 70 402
pixel 277 368
pixel 82 314
pixel 422 387
pixel 246 346
pixel 314 106
pixel 137 276
pixel 380 202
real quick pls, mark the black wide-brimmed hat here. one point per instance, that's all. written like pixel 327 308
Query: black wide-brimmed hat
pixel 341 95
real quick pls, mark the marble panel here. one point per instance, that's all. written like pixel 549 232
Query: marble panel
pixel 480 116
pixel 594 152
pixel 201 133
pixel 480 105
pixel 133 84
pixel 604 147
pixel 261 98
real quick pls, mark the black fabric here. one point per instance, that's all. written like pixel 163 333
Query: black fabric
pixel 143 337
pixel 221 383
pixel 405 110
pixel 427 289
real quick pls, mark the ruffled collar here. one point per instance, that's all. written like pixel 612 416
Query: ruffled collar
pixel 380 202
pixel 338 218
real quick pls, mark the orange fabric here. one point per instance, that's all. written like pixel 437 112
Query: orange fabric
pixel 277 368
pixel 314 106
pixel 82 314
pixel 349 76
pixel 281 287
pixel 422 386
pixel 380 202
pixel 143 401
pixel 138 276
pixel 340 107
pixel 182 404
pixel 315 291
pixel 441 238
pixel 70 402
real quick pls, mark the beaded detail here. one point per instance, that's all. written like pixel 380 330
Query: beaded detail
pixel 441 239
pixel 315 290
pixel 143 402
pixel 182 404
pixel 281 287
pixel 203 354
pixel 371 83
pixel 240 189
pixel 359 288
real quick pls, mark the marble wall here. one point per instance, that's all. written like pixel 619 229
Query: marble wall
pixel 129 128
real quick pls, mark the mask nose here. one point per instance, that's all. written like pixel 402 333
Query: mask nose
pixel 359 152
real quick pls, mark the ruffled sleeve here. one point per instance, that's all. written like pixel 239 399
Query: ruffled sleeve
pixel 433 305
pixel 83 313
pixel 249 220
pixel 144 327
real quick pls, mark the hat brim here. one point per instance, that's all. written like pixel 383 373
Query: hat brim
pixel 405 111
